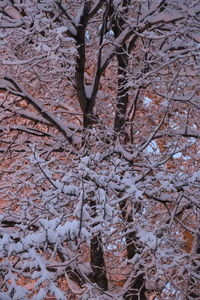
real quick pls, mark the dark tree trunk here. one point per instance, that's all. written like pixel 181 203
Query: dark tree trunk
pixel 87 103
pixel 122 93
pixel 122 60
pixel 195 282
pixel 130 236
pixel 137 289
pixel 89 119
pixel 97 262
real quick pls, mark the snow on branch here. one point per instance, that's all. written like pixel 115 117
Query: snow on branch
pixel 15 88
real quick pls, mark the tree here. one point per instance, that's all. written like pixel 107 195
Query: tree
pixel 131 171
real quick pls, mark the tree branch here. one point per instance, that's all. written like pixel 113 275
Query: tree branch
pixel 16 89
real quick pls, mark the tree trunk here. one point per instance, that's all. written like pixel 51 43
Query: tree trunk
pixel 137 289
pixel 122 93
pixel 122 60
pixel 89 119
pixel 194 291
pixel 97 261
pixel 87 103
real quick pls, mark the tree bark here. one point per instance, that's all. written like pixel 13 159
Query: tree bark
pixel 122 93
pixel 122 60
pixel 137 289
pixel 194 283
pixel 87 103
pixel 97 261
